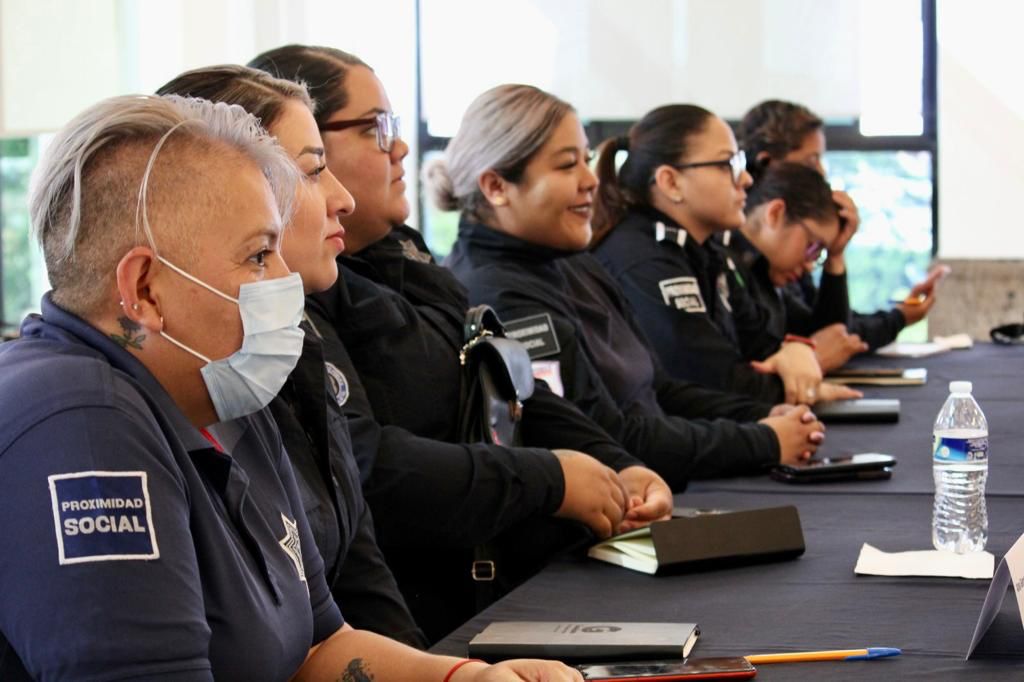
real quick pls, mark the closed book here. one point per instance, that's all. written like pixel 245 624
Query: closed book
pixel 863 410
pixel 707 540
pixel 878 376
pixel 571 641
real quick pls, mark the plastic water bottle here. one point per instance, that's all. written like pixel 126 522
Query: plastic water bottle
pixel 960 467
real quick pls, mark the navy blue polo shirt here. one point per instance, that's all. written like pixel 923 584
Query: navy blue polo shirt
pixel 131 547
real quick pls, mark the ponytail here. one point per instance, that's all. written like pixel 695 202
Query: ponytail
pixel 660 137
pixel 611 203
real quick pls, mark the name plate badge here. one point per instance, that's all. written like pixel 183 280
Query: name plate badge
pixel 1009 573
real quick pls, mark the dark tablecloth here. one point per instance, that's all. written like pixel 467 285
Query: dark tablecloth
pixel 817 602
pixel 997 373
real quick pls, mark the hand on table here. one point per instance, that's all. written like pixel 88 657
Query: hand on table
pixel 798 431
pixel 594 495
pixel 797 367
pixel 649 498
pixel 834 346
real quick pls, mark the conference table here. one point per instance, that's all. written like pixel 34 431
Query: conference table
pixel 817 602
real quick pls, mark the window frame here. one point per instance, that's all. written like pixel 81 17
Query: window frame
pixel 841 137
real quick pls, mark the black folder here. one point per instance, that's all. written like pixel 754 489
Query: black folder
pixel 706 541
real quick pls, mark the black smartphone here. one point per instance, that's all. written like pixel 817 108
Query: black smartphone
pixel 861 410
pixel 866 466
pixel 737 668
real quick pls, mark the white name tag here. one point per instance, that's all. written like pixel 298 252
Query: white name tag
pixel 550 371
pixel 1009 573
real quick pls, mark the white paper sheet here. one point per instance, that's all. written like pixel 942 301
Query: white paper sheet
pixel 955 341
pixel 930 563
pixel 899 349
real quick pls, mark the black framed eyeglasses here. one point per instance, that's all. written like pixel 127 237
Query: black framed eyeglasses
pixel 816 248
pixel 387 128
pixel 737 163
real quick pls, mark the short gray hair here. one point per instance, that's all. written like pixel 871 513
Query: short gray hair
pixel 501 130
pixel 90 195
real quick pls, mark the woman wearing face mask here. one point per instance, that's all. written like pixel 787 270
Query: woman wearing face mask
pixel 791 216
pixel 517 169
pixel 315 433
pixel 775 131
pixel 683 181
pixel 401 318
pixel 170 539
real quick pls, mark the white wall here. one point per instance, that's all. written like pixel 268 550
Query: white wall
pixel 981 129
pixel 59 56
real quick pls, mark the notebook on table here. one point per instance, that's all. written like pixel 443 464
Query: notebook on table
pixel 706 540
pixel 584 641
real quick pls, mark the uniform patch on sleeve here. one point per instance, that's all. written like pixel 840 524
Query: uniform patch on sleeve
pixel 337 384
pixel 102 516
pixel 536 333
pixel 682 293
pixel 723 290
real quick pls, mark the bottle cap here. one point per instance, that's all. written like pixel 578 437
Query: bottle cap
pixel 960 387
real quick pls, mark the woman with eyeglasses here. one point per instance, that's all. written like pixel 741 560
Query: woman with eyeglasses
pixel 682 182
pixel 518 171
pixel 775 131
pixel 448 509
pixel 791 218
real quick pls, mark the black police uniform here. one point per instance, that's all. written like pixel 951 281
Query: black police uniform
pixel 315 435
pixel 875 329
pixel 397 320
pixel 703 327
pixel 790 313
pixel 605 363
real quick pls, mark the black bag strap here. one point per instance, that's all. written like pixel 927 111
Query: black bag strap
pixel 480 319
pixel 507 359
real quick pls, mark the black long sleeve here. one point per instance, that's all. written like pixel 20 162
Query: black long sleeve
pixel 879 328
pixel 701 325
pixel 319 445
pixel 830 304
pixel 425 491
pixel 677 447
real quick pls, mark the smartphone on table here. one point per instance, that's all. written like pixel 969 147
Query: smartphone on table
pixel 737 668
pixel 867 466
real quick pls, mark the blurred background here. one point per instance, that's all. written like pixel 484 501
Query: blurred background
pixel 923 116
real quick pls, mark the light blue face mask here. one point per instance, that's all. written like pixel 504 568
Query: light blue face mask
pixel 248 379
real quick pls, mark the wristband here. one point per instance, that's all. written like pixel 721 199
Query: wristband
pixel 800 339
pixel 458 665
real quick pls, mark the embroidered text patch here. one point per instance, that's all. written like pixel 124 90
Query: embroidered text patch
pixel 102 516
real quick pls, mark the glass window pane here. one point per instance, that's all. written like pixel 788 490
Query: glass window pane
pixel 24 275
pixel 892 249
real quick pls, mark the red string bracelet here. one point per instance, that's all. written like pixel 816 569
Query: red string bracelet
pixel 459 665
pixel 800 339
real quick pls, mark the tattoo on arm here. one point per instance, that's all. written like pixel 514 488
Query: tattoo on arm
pixel 131 335
pixel 356 672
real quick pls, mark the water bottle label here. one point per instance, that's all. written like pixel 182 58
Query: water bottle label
pixel 947 449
